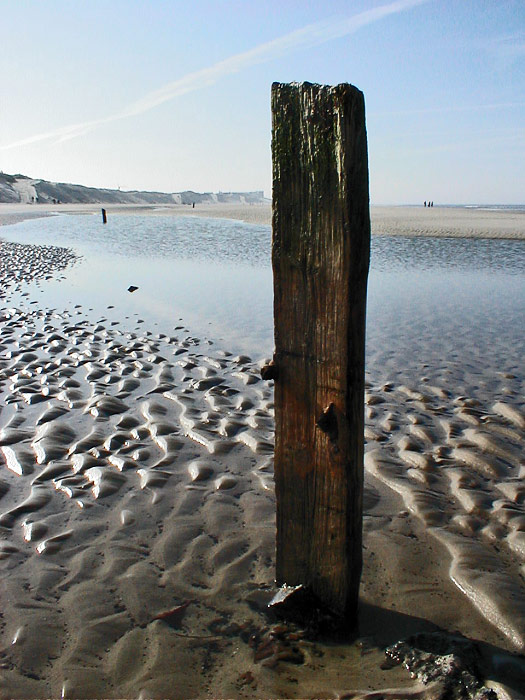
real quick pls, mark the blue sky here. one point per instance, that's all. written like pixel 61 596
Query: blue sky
pixel 170 95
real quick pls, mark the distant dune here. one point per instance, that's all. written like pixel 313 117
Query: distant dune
pixel 25 190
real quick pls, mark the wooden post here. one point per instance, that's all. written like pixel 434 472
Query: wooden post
pixel 104 217
pixel 320 257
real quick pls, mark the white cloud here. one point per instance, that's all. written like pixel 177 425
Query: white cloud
pixel 306 37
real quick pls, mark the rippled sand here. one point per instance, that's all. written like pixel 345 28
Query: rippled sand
pixel 137 521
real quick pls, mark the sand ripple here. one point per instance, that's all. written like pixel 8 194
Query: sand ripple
pixel 465 484
pixel 137 479
pixel 121 423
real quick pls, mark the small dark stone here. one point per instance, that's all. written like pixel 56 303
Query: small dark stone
pixel 132 288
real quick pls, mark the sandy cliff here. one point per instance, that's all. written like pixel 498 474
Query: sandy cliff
pixel 26 190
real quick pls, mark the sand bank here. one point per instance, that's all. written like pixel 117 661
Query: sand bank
pixel 137 519
pixel 448 222
pixel 394 221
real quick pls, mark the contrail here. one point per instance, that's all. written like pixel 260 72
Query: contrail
pixel 306 37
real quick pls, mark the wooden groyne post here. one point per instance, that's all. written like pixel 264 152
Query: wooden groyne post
pixel 320 258
pixel 104 217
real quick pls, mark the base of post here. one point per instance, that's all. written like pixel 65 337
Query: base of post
pixel 299 605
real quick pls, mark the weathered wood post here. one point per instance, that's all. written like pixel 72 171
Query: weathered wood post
pixel 320 257
pixel 104 217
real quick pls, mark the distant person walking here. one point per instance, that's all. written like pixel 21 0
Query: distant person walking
pixel 425 203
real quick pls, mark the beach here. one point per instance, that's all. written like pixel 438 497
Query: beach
pixel 435 221
pixel 138 514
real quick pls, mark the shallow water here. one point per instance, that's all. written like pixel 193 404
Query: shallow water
pixel 211 275
pixel 215 277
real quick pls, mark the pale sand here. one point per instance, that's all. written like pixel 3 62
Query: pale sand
pixel 446 221
pixel 395 221
pixel 136 478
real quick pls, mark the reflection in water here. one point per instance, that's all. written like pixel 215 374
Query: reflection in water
pixel 224 240
pixel 391 253
pixel 420 322
pixel 183 238
pixel 430 300
pixel 212 275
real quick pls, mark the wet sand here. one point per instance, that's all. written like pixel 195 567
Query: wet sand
pixel 137 519
pixel 251 213
pixel 386 220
